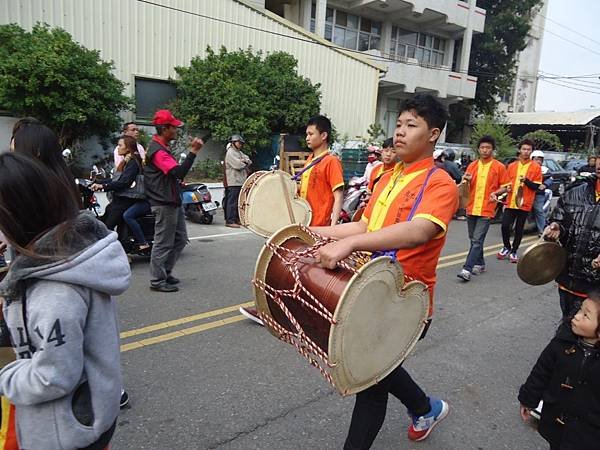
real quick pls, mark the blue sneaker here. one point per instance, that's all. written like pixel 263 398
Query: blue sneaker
pixel 420 427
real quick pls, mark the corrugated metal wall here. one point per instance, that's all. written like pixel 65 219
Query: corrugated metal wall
pixel 149 40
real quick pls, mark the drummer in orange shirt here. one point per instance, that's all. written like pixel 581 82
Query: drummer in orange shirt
pixel 322 179
pixel 485 176
pixel 321 184
pixel 409 212
pixel 528 175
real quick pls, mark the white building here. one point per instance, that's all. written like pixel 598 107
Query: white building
pixel 147 40
pixel 366 54
pixel 424 44
pixel 521 97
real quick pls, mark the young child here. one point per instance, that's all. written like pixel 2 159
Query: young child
pixel 567 378
pixel 58 305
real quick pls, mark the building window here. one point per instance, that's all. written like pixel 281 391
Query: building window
pixel 348 30
pixel 152 95
pixel 426 48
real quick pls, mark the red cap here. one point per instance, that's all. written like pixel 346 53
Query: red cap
pixel 166 117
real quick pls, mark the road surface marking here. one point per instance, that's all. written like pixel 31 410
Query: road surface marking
pixel 489 247
pixel 222 322
pixel 181 333
pixel 177 322
pixel 210 236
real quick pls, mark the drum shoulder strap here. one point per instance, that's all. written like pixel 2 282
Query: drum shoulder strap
pixel 313 163
pixel 413 210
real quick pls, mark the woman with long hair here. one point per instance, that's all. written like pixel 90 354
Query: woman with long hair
pixel 127 203
pixel 58 305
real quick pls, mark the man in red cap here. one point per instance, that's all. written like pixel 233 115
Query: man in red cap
pixel 162 178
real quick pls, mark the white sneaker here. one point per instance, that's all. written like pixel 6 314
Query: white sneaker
pixel 464 275
pixel 478 270
pixel 252 314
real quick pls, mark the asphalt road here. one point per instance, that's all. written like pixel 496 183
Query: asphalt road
pixel 200 377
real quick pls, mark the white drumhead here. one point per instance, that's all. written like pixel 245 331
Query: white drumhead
pixel 379 320
pixel 265 206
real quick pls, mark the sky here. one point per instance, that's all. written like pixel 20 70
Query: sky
pixel 564 58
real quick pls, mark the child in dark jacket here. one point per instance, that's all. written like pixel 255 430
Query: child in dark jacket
pixel 567 378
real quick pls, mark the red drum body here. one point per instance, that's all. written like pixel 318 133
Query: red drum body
pixel 356 323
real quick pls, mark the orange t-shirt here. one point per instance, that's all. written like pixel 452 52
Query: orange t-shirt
pixel 377 173
pixel 530 170
pixel 317 185
pixel 487 178
pixel 391 203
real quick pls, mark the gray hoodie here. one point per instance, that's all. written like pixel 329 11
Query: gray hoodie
pixel 66 381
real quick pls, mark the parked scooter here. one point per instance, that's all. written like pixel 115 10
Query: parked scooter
pixel 198 205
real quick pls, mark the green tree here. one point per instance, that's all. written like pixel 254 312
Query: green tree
pixel 497 128
pixel 494 52
pixel 45 74
pixel 544 140
pixel 243 92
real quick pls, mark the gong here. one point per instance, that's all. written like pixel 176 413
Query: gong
pixel 542 262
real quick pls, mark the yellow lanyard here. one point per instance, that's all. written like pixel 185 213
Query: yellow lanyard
pixel 398 181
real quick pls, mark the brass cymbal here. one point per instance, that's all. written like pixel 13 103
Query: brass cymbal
pixel 541 263
pixel 519 196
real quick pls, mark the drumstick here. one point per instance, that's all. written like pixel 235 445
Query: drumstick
pixel 286 196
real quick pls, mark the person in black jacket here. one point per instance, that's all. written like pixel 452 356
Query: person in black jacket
pixel 162 180
pixel 575 223
pixel 567 377
pixel 120 185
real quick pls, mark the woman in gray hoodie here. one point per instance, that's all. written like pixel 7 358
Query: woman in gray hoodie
pixel 58 304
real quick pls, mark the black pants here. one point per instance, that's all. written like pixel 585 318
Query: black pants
pixel 371 405
pixel 113 215
pixel 231 205
pixel 518 217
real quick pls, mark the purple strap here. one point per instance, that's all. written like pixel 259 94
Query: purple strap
pixel 413 210
pixel 314 162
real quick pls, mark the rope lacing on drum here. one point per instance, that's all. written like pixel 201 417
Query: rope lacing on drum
pixel 297 337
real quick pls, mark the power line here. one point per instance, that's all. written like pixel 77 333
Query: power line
pixel 569 29
pixel 546 30
pixel 566 77
pixel 576 82
pixel 570 87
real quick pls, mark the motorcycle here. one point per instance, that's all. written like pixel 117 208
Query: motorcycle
pixel 125 236
pixel 197 202
pixel 88 197
pixel 127 239
pixel 355 196
pixel 579 179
